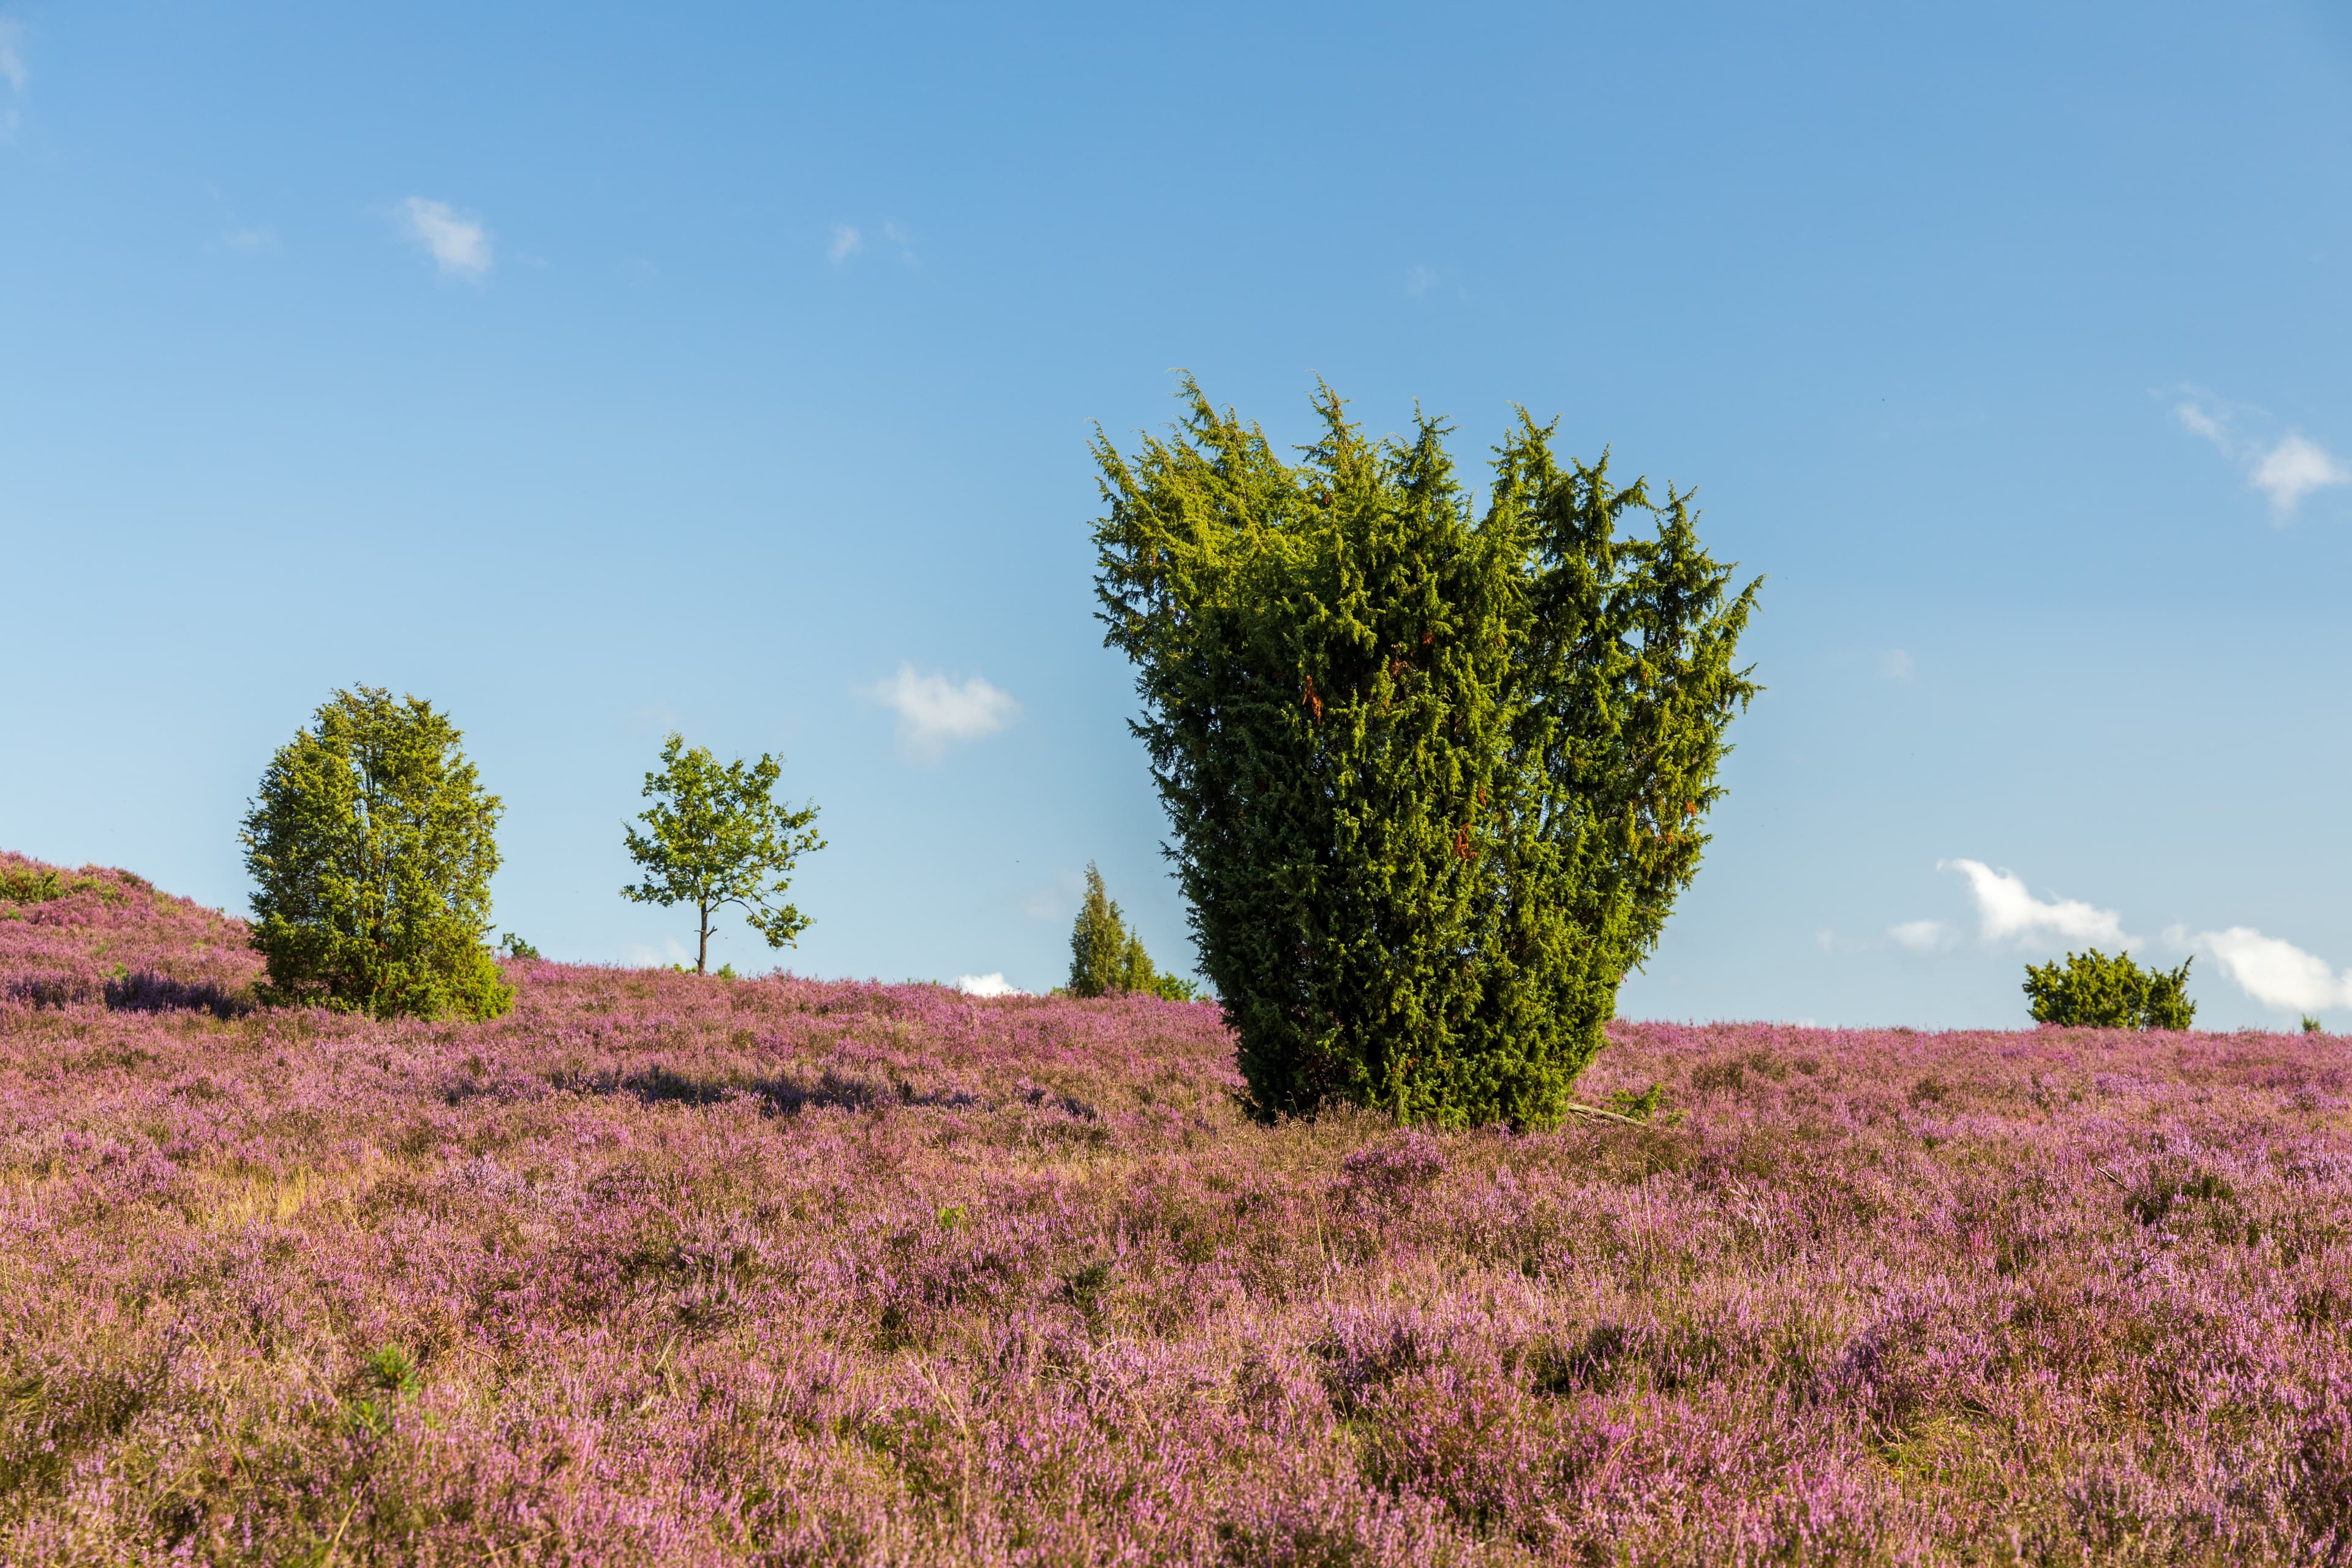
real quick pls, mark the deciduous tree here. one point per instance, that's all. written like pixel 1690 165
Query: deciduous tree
pixel 714 837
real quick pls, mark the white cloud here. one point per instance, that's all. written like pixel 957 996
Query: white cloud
pixel 12 55
pixel 260 238
pixel 460 245
pixel 1057 899
pixel 2293 468
pixel 2286 470
pixel 2213 426
pixel 848 241
pixel 2274 973
pixel 987 986
pixel 933 711
pixel 1920 936
pixel 2008 912
pixel 1896 665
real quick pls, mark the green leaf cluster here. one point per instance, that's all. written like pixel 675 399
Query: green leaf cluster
pixel 1435 776
pixel 2093 991
pixel 24 885
pixel 372 845
pixel 716 837
pixel 1108 960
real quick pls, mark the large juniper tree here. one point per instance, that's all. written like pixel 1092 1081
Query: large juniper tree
pixel 1435 777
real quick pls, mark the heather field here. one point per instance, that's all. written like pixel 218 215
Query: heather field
pixel 677 1270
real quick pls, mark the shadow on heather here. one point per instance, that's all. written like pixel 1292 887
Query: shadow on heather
pixel 146 991
pixel 782 1094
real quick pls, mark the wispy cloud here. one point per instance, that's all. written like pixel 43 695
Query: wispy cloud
pixel 1921 936
pixel 460 245
pixel 987 986
pixel 12 72
pixel 2274 971
pixel 2286 468
pixel 12 55
pixel 1057 899
pixel 235 232
pixel 2008 912
pixel 670 951
pixel 848 242
pixel 934 711
pixel 1896 665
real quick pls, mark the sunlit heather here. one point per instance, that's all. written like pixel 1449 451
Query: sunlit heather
pixel 660 1270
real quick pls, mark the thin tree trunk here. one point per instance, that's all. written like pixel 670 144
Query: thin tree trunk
pixel 702 946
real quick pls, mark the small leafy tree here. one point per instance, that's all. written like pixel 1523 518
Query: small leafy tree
pixel 715 837
pixel 1108 960
pixel 372 845
pixel 1434 778
pixel 2094 991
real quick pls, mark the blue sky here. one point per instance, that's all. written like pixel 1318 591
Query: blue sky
pixel 596 372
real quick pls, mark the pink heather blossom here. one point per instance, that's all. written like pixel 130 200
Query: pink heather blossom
pixel 667 1270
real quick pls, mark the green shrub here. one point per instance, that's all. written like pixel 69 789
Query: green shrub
pixel 373 846
pixel 1648 1105
pixel 2312 1026
pixel 2094 991
pixel 24 885
pixel 514 946
pixel 1434 781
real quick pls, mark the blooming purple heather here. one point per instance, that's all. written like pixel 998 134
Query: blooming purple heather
pixel 667 1270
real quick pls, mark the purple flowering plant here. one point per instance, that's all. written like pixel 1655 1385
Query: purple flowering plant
pixel 657 1268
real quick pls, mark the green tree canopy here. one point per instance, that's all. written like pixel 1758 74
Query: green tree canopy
pixel 2094 991
pixel 715 837
pixel 1435 779
pixel 372 845
pixel 1108 960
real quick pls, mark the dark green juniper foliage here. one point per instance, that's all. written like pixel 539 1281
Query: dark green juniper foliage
pixel 1435 780
pixel 373 846
pixel 2094 991
pixel 1108 960
pixel 716 837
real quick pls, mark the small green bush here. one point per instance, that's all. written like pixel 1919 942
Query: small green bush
pixel 514 946
pixel 2312 1026
pixel 24 885
pixel 2094 991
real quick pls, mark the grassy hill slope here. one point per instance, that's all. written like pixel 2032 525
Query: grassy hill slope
pixel 668 1269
